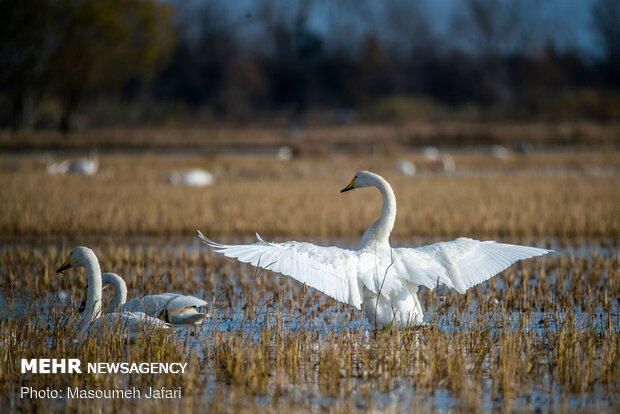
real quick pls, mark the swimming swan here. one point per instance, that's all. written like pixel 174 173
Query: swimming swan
pixel 383 279
pixel 92 320
pixel 169 307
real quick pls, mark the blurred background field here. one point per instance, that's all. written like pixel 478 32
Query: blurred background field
pixel 126 125
pixel 562 195
pixel 80 64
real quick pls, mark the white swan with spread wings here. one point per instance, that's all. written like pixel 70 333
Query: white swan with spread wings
pixel 381 278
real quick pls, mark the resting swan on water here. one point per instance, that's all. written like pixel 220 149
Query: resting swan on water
pixel 92 319
pixel 383 279
pixel 169 307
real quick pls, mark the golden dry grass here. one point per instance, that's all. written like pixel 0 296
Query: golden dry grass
pixel 566 196
pixel 543 329
pixel 542 335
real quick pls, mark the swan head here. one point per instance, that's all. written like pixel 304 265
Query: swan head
pixel 79 256
pixel 362 179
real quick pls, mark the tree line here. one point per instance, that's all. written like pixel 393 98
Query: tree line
pixel 246 61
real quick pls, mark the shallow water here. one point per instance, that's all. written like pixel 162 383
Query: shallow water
pixel 324 320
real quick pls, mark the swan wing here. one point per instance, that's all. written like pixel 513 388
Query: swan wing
pixel 150 304
pixel 133 321
pixel 331 270
pixel 459 264
pixel 140 320
pixel 154 304
pixel 126 323
pixel 184 301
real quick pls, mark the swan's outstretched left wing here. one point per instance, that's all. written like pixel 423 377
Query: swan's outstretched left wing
pixel 459 264
pixel 331 270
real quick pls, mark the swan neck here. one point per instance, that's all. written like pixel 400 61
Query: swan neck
pixel 120 292
pixel 93 294
pixel 120 289
pixel 378 234
pixel 385 223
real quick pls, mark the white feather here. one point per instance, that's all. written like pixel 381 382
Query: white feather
pixel 459 264
pixel 328 269
pixel 154 304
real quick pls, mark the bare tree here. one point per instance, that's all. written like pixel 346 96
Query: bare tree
pixel 606 22
pixel 496 28
pixel 407 28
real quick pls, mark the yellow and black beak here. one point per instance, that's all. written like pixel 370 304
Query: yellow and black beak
pixel 351 186
pixel 66 265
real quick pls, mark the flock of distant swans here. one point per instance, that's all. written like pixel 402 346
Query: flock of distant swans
pixel 380 279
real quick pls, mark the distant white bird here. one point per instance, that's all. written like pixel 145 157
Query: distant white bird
pixel 130 324
pixel 447 162
pixel 83 166
pixel 196 177
pixel 285 153
pixel 431 153
pixel 405 167
pixel 383 279
pixel 500 152
pixel 169 307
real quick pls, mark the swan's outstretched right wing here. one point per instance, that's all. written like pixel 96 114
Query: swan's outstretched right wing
pixel 459 264
pixel 331 270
